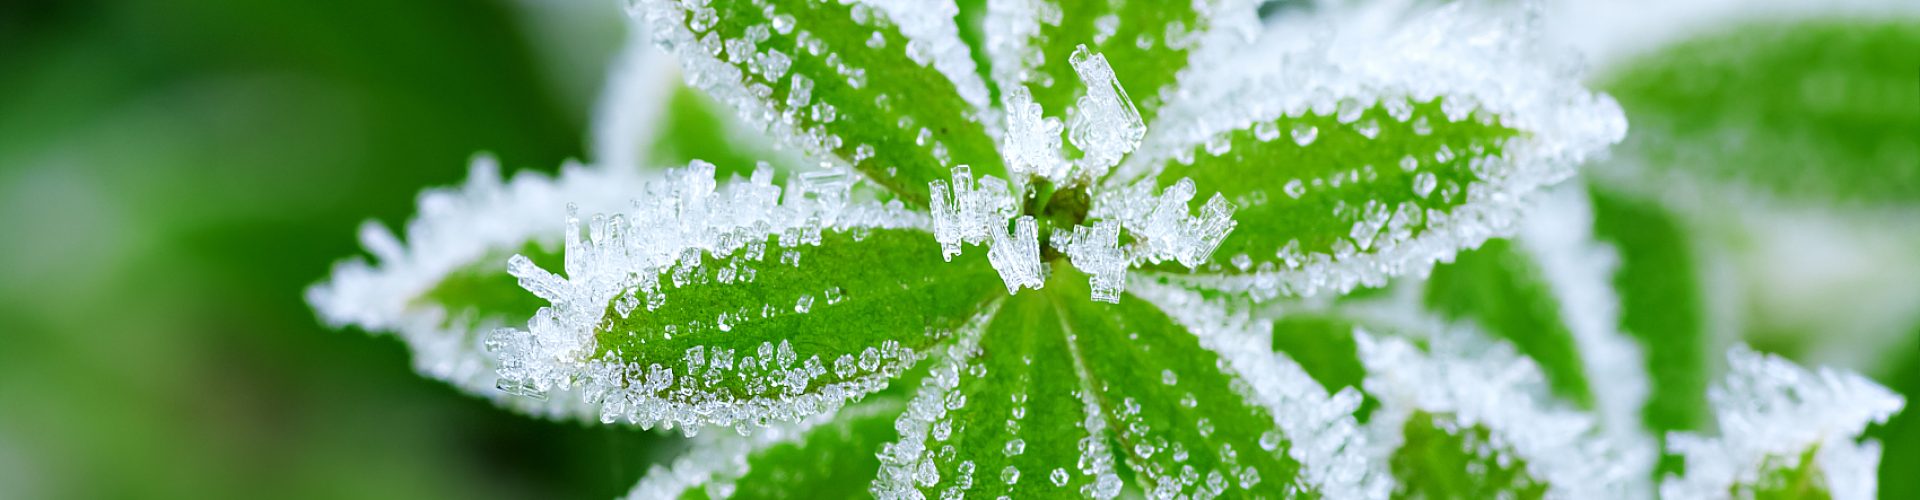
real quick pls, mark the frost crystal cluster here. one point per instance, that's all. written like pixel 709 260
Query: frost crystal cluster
pixel 1175 200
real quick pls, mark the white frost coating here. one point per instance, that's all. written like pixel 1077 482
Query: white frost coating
pixel 970 214
pixel 930 29
pixel 1477 382
pixel 639 88
pixel 1032 141
pixel 908 464
pixel 1103 124
pixel 1162 226
pixel 1499 66
pixel 1770 409
pixel 718 459
pixel 622 262
pixel 1579 270
pixel 1325 439
pixel 741 76
pixel 455 228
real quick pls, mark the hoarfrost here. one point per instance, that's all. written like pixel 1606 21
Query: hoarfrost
pixel 1770 410
pixel 456 228
pixel 1451 53
pixel 1479 382
pixel 664 236
pixel 1323 435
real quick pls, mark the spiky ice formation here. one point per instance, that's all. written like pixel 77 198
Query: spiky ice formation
pixel 1480 383
pixel 966 213
pixel 1104 124
pixel 621 261
pixel 1163 228
pixel 1770 413
pixel 456 228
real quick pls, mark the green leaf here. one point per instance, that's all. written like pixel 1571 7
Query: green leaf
pixel 1463 401
pixel 483 289
pixel 1030 43
pixel 1441 458
pixel 1009 415
pixel 1198 403
pixel 1785 431
pixel 1901 436
pixel 1781 479
pixel 1661 306
pixel 446 287
pixel 884 87
pixel 1502 289
pixel 1819 110
pixel 1370 185
pixel 1324 346
pixel 1345 167
pixel 829 320
pixel 697 129
pixel 829 456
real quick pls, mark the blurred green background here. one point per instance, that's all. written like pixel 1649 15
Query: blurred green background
pixel 174 174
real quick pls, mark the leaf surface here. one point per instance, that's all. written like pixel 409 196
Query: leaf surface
pixel 885 87
pixel 1810 110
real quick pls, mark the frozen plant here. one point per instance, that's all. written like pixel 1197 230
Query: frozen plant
pixel 1119 258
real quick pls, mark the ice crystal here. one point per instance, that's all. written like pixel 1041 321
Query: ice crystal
pixel 1105 125
pixel 1770 410
pixel 1478 384
pixel 455 228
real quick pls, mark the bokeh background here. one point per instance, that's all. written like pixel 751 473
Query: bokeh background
pixel 174 173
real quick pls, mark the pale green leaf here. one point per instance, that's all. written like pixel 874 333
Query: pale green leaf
pixel 885 87
pixel 1323 345
pixel 1661 306
pixel 1502 289
pixel 829 456
pixel 1440 458
pixel 1816 110
pixel 1784 432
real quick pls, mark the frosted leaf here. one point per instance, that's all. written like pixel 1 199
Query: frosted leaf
pixel 799 83
pixel 417 289
pixel 1480 384
pixel 1771 411
pixel 1358 212
pixel 766 345
pixel 1163 227
pixel 1550 292
pixel 1242 393
pixel 962 431
pixel 1151 43
pixel 723 464
pixel 1103 124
